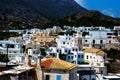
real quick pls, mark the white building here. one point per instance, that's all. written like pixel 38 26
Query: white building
pixel 67 45
pixel 97 58
pixel 13 49
pixel 68 50
pixel 11 46
pixel 117 28
pixel 99 39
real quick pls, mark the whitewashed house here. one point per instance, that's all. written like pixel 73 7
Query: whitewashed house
pixel 95 39
pixel 13 50
pixel 97 58
pixel 66 49
pixel 117 28
pixel 99 39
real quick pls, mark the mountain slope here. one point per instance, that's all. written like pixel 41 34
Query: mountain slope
pixel 88 18
pixel 17 13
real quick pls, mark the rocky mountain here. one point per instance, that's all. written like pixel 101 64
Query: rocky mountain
pixel 88 18
pixel 28 13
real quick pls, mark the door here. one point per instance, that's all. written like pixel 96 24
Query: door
pixel 58 77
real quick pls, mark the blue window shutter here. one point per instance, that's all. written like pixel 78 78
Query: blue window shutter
pixel 58 77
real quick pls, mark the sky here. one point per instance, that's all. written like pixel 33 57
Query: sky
pixel 108 7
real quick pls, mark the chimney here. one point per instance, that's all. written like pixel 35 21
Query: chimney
pixel 38 62
pixel 27 61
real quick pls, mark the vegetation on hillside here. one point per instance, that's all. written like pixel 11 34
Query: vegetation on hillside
pixel 5 35
pixel 87 18
pixel 3 57
pixel 113 53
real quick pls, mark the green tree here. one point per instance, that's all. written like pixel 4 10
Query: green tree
pixel 3 57
pixel 85 33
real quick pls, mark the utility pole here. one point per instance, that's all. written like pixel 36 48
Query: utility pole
pixel 7 54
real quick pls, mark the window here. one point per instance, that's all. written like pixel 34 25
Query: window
pixel 71 57
pixel 69 52
pixel 63 42
pixel 90 57
pixel 78 56
pixel 76 49
pixel 93 45
pixel 68 57
pixel 81 56
pixel 87 57
pixel 101 72
pixel 58 77
pixel 1 45
pixel 93 41
pixel 85 40
pixel 109 41
pixel 57 50
pixel 47 77
pixel 75 56
pixel 73 49
pixel 101 41
pixel 65 50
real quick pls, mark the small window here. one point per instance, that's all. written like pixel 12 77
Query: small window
pixel 78 56
pixel 93 41
pixel 76 49
pixel 69 52
pixel 109 41
pixel 90 57
pixel 73 49
pixel 68 57
pixel 85 40
pixel 75 56
pixel 81 56
pixel 63 42
pixel 87 57
pixel 101 72
pixel 101 41
pixel 47 77
pixel 57 50
pixel 1 45
pixel 65 50
pixel 71 57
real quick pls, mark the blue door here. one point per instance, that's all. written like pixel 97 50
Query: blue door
pixel 58 77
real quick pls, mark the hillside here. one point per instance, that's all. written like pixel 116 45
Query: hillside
pixel 88 18
pixel 20 14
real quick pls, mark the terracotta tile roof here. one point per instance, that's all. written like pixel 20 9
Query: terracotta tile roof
pixel 17 38
pixel 54 63
pixel 93 50
pixel 57 64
